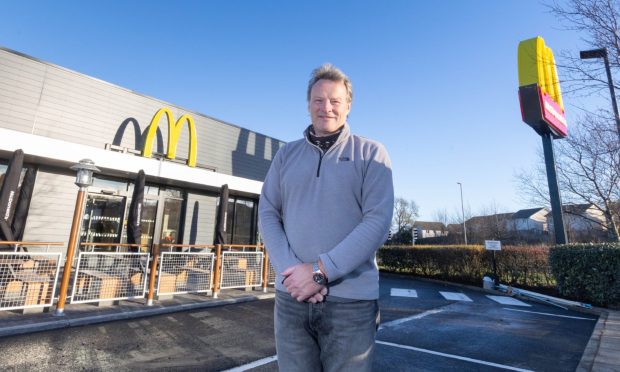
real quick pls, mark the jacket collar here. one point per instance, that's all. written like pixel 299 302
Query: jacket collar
pixel 344 135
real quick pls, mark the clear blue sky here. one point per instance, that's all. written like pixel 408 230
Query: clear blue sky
pixel 435 82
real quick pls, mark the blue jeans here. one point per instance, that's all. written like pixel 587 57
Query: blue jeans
pixel 329 336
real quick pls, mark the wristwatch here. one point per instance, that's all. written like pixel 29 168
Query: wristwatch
pixel 317 275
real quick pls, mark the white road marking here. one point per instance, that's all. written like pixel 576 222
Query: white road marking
pixel 401 292
pixel 455 296
pixel 254 364
pixel 403 320
pixel 550 314
pixel 508 301
pixel 503 366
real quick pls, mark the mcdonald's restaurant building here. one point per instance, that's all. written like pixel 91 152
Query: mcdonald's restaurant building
pixel 58 117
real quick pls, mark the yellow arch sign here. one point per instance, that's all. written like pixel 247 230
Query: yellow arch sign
pixel 174 132
pixel 539 89
pixel 537 66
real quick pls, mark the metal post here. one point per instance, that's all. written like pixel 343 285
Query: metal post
pixel 218 270
pixel 496 279
pixel 149 297
pixel 66 274
pixel 612 92
pixel 554 190
pixel 265 268
pixel 463 212
pixel 602 53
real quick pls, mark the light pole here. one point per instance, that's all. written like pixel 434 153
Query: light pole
pixel 463 212
pixel 83 179
pixel 602 53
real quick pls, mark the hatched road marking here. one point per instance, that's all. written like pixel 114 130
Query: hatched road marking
pixel 455 296
pixel 400 292
pixel 508 301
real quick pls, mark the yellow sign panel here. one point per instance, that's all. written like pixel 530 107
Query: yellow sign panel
pixel 537 66
pixel 174 132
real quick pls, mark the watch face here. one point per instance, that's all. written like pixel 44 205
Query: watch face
pixel 318 278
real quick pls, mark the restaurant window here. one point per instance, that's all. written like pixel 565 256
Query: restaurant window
pixel 147 221
pixel 171 221
pixel 102 218
pixel 241 221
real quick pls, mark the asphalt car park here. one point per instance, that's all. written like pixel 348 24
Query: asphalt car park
pixel 425 326
pixel 436 326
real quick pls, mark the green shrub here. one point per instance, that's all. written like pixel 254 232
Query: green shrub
pixel 518 266
pixel 588 272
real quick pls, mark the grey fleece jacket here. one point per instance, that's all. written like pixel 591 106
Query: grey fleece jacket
pixel 336 206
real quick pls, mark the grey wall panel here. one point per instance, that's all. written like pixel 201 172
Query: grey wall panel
pixel 200 219
pixel 51 101
pixel 51 208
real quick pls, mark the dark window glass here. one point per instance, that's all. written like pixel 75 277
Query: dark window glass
pixel 244 222
pixel 230 215
pixel 171 221
pixel 147 221
pixel 102 218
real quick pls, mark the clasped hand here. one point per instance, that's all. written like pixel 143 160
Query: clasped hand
pixel 299 283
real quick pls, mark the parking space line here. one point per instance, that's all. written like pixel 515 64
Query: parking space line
pixel 407 347
pixel 549 314
pixel 401 292
pixel 254 364
pixel 456 296
pixel 402 320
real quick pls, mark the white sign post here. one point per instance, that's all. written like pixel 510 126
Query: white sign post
pixel 493 245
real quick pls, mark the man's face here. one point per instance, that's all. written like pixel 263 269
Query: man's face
pixel 328 106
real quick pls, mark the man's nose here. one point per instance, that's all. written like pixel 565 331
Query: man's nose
pixel 327 106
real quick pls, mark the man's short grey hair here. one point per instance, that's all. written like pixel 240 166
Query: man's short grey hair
pixel 328 71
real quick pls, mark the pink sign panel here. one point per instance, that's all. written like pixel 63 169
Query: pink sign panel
pixel 553 114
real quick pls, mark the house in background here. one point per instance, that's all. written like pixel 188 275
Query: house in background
pixel 583 222
pixel 529 221
pixel 494 226
pixel 430 229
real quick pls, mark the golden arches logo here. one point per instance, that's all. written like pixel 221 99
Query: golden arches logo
pixel 537 66
pixel 174 132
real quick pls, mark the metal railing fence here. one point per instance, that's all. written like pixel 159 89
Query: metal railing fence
pixel 271 276
pixel 28 280
pixel 185 272
pixel 109 276
pixel 241 269
pixel 25 246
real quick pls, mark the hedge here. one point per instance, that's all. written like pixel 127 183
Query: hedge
pixel 588 272
pixel 525 267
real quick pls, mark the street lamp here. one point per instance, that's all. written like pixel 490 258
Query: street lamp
pixel 83 179
pixel 602 53
pixel 463 212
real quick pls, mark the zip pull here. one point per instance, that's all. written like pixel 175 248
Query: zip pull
pixel 318 169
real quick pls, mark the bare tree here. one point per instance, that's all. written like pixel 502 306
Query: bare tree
pixel 405 214
pixel 598 21
pixel 441 215
pixel 588 166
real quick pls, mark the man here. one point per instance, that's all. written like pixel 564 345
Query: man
pixel 325 208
